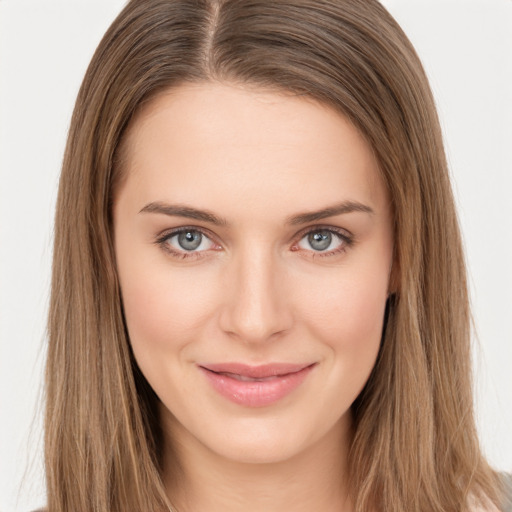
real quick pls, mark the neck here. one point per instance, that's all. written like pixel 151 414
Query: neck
pixel 315 479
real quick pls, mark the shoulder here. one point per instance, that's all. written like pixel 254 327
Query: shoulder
pixel 506 480
pixel 505 498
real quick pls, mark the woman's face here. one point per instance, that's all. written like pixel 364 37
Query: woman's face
pixel 253 237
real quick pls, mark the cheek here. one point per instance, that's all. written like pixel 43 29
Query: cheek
pixel 348 318
pixel 350 309
pixel 164 310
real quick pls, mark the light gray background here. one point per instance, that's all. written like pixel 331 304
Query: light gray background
pixel 45 47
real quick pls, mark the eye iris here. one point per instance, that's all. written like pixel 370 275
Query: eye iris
pixel 320 240
pixel 190 240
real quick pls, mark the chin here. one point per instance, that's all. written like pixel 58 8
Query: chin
pixel 263 450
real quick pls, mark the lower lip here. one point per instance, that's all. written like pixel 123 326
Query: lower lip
pixel 257 393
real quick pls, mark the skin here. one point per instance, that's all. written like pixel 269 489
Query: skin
pixel 255 291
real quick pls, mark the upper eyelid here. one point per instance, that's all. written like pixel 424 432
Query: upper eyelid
pixel 344 234
pixel 168 233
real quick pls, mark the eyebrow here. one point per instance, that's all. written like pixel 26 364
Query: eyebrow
pixel 177 210
pixel 330 211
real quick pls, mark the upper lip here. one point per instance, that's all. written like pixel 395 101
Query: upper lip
pixel 256 372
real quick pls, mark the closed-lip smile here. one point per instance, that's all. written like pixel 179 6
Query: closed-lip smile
pixel 255 386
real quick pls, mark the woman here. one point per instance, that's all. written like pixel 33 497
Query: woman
pixel 258 296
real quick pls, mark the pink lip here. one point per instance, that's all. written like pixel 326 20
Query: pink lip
pixel 255 386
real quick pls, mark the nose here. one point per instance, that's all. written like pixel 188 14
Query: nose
pixel 256 307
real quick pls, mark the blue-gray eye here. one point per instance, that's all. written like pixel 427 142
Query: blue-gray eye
pixel 320 240
pixel 190 240
pixel 187 243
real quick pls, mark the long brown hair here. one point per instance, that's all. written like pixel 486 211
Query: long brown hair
pixel 415 446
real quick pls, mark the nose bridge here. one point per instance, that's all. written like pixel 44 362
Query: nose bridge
pixel 256 307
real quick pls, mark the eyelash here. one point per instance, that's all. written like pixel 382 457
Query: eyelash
pixel 346 239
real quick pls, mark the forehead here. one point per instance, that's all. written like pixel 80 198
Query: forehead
pixel 210 140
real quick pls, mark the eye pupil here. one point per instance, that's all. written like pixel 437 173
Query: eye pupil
pixel 320 240
pixel 190 240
